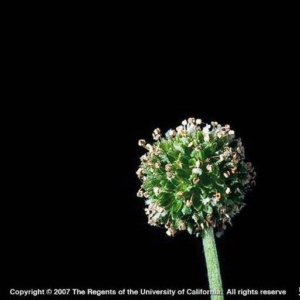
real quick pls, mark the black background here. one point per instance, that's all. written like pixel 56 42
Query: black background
pixel 75 220
pixel 72 215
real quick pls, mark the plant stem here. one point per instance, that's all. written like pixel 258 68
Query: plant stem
pixel 212 264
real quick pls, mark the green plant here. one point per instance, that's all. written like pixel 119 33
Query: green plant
pixel 195 179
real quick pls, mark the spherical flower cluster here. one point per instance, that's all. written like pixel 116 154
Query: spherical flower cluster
pixel 194 178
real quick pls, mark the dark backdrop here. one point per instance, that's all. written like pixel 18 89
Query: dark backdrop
pixel 73 218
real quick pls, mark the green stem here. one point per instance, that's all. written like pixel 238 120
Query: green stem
pixel 212 264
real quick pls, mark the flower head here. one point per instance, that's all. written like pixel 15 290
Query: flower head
pixel 194 177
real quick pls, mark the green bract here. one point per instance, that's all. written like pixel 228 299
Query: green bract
pixel 195 177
